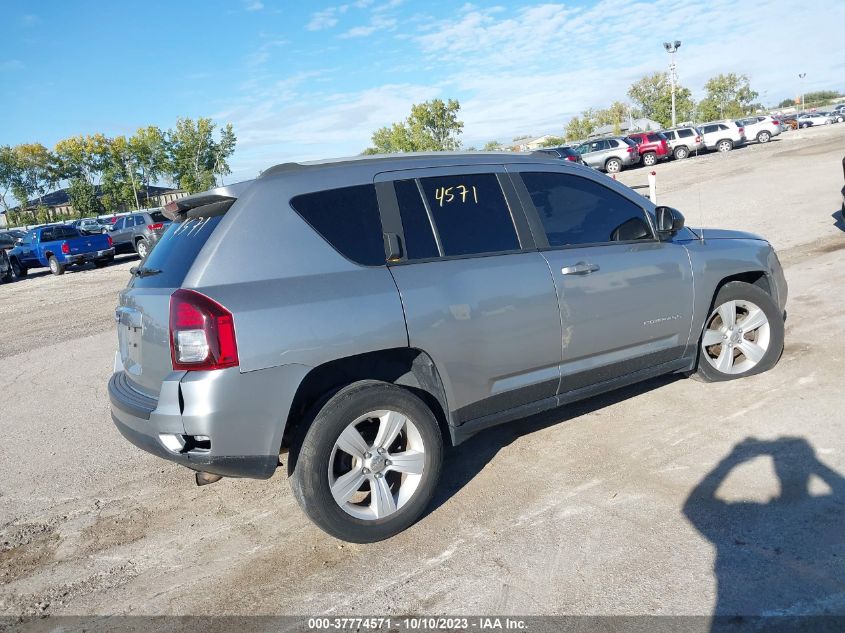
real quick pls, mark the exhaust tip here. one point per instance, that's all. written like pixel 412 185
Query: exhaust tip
pixel 203 479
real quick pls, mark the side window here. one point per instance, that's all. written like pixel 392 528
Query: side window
pixel 670 136
pixel 576 210
pixel 707 129
pixel 118 224
pixel 416 225
pixel 348 219
pixel 48 235
pixel 684 133
pixel 470 214
pixel 722 126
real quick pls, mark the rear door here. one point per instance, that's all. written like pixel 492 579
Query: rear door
pixel 625 298
pixel 120 234
pixel 477 297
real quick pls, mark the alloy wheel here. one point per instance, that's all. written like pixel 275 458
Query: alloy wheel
pixel 376 464
pixel 736 337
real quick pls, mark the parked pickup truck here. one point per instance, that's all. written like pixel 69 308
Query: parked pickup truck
pixel 59 246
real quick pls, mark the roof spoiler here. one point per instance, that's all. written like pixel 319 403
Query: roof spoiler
pixel 205 205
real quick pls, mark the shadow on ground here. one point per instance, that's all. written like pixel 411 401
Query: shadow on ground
pixel 784 557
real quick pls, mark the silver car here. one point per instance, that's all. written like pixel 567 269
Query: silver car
pixel 609 154
pixel 762 128
pixel 684 141
pixel 391 306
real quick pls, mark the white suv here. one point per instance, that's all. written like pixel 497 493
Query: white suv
pixel 683 141
pixel 761 128
pixel 722 136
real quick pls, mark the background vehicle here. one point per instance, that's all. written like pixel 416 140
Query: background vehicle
pixel 610 154
pixel 57 247
pixel 363 340
pixel 722 136
pixel 835 116
pixel 761 128
pixel 564 153
pixel 5 267
pixel 8 238
pixel 683 141
pixel 90 225
pixel 789 122
pixel 812 119
pixel 138 232
pixel 652 147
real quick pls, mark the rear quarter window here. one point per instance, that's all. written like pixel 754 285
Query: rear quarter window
pixel 684 133
pixel 348 219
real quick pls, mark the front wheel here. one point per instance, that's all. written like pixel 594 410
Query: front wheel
pixel 18 269
pixel 725 146
pixel 743 335
pixel 56 267
pixel 369 463
pixel 8 278
pixel 142 247
pixel 613 166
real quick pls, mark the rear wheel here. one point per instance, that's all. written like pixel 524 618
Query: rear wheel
pixel 681 153
pixel 649 159
pixel 725 145
pixel 613 166
pixel 764 137
pixel 743 335
pixel 142 247
pixel 7 278
pixel 18 269
pixel 56 267
pixel 368 465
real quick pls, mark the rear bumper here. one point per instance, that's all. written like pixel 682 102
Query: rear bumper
pixel 82 258
pixel 243 415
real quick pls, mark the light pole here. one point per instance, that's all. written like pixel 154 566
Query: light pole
pixel 672 48
pixel 801 77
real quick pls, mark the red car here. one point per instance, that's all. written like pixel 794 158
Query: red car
pixel 653 147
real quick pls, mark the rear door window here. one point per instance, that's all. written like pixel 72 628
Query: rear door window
pixel 348 219
pixel 416 224
pixel 684 133
pixel 578 211
pixel 470 214
pixel 175 252
pixel 158 216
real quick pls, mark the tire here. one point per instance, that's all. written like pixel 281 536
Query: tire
pixel 142 247
pixel 321 464
pixel 725 145
pixel 722 351
pixel 681 153
pixel 8 277
pixel 764 137
pixel 613 166
pixel 649 159
pixel 56 267
pixel 18 269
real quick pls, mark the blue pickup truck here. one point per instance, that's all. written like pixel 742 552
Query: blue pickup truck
pixel 56 247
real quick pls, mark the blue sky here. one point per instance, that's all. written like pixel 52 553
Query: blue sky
pixel 304 80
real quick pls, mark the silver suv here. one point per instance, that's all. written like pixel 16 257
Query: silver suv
pixel 684 141
pixel 722 136
pixel 390 306
pixel 610 154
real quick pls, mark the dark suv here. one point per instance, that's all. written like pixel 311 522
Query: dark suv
pixel 138 232
pixel 361 313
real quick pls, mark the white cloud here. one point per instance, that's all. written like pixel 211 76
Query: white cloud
pixel 11 64
pixel 377 23
pixel 324 19
pixel 29 19
pixel 253 5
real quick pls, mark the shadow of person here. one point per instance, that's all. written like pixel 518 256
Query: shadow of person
pixel 785 557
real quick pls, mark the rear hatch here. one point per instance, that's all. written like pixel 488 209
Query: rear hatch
pixel 143 313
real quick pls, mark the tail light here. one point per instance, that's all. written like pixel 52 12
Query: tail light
pixel 202 333
pixel 572 158
pixel 631 150
pixel 111 241
pixel 742 130
pixel 156 227
pixel 66 248
pixel 775 122
pixel 697 139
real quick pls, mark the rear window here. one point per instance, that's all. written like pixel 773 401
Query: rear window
pixel 686 133
pixel 629 142
pixel 158 216
pixel 655 138
pixel 176 251
pixel 348 219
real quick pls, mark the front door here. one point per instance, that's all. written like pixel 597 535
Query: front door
pixel 626 298
pixel 477 297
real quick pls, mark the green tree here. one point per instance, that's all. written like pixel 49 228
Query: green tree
pixel 553 141
pixel 581 127
pixel 493 146
pixel 37 172
pixel 80 161
pixel 195 158
pixel 653 96
pixel 728 96
pixel 8 178
pixel 83 197
pixel 615 115
pixel 148 151
pixel 432 126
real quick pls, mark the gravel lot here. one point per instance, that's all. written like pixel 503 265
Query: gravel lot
pixel 605 507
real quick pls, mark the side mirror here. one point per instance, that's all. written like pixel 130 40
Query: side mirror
pixel 669 221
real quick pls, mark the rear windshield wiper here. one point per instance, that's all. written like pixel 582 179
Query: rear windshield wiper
pixel 143 271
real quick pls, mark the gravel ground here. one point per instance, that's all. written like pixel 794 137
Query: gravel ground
pixel 606 507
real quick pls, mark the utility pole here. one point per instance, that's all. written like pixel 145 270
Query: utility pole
pixel 672 48
pixel 801 77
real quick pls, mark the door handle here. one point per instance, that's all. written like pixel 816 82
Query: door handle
pixel 581 268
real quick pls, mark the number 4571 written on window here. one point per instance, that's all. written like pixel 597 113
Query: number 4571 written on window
pixel 460 193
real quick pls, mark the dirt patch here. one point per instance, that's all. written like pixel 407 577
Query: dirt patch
pixel 25 547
